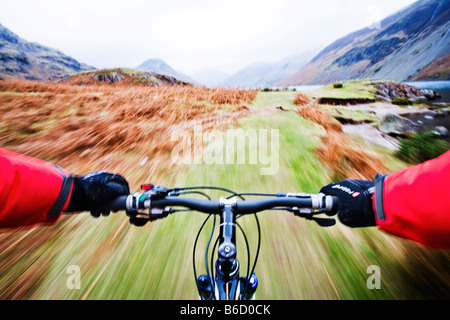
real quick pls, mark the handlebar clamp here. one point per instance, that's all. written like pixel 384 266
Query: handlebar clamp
pixel 137 203
pixel 132 204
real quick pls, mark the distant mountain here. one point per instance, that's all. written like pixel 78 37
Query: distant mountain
pixel 161 67
pixel 250 76
pixel 407 41
pixel 21 59
pixel 210 78
pixel 263 74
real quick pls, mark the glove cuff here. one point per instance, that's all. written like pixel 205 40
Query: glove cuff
pixel 379 207
pixel 77 198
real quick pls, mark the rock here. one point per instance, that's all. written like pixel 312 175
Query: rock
pixel 441 131
pixel 388 91
pixel 430 94
pixel 396 125
pixel 109 77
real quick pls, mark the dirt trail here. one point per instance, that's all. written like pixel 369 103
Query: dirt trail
pixel 219 121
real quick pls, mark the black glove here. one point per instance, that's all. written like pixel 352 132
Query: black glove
pixel 96 189
pixel 355 202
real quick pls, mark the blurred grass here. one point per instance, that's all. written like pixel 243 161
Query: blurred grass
pixel 422 147
pixel 349 116
pixel 298 259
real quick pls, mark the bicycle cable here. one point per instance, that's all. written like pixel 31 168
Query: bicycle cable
pixel 199 232
pixel 209 188
pixel 233 194
pixel 257 252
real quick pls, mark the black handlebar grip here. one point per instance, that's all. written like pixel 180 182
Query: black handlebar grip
pixel 334 206
pixel 117 204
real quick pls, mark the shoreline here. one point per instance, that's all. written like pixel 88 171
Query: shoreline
pixel 369 132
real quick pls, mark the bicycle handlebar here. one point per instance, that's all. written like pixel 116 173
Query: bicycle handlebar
pixel 304 204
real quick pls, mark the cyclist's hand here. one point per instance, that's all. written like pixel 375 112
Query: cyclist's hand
pixel 355 202
pixel 96 189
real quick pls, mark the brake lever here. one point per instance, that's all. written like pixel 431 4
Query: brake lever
pixel 308 214
pixel 324 222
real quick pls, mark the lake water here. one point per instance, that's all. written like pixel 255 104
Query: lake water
pixel 306 87
pixel 442 87
pixel 433 119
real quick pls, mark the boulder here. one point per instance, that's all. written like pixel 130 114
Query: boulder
pixel 441 131
pixel 430 94
pixel 396 125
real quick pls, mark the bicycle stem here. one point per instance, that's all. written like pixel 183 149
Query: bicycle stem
pixel 227 266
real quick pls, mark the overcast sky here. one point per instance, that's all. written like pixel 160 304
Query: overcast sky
pixel 192 34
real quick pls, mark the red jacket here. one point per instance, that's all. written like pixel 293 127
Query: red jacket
pixel 412 203
pixel 32 191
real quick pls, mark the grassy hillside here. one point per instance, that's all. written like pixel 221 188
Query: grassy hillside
pixel 113 127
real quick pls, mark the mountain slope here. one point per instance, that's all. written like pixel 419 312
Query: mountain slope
pixel 437 70
pixel 263 74
pixel 406 42
pixel 161 67
pixel 21 59
pixel 250 76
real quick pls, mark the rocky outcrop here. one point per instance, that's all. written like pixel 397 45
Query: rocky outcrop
pixel 125 76
pixel 390 91
pixel 109 77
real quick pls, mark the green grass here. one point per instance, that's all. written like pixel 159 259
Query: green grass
pixel 272 99
pixel 352 116
pixel 421 147
pixel 349 90
pixel 402 101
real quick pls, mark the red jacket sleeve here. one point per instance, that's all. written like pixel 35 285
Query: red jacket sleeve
pixel 415 203
pixel 32 191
